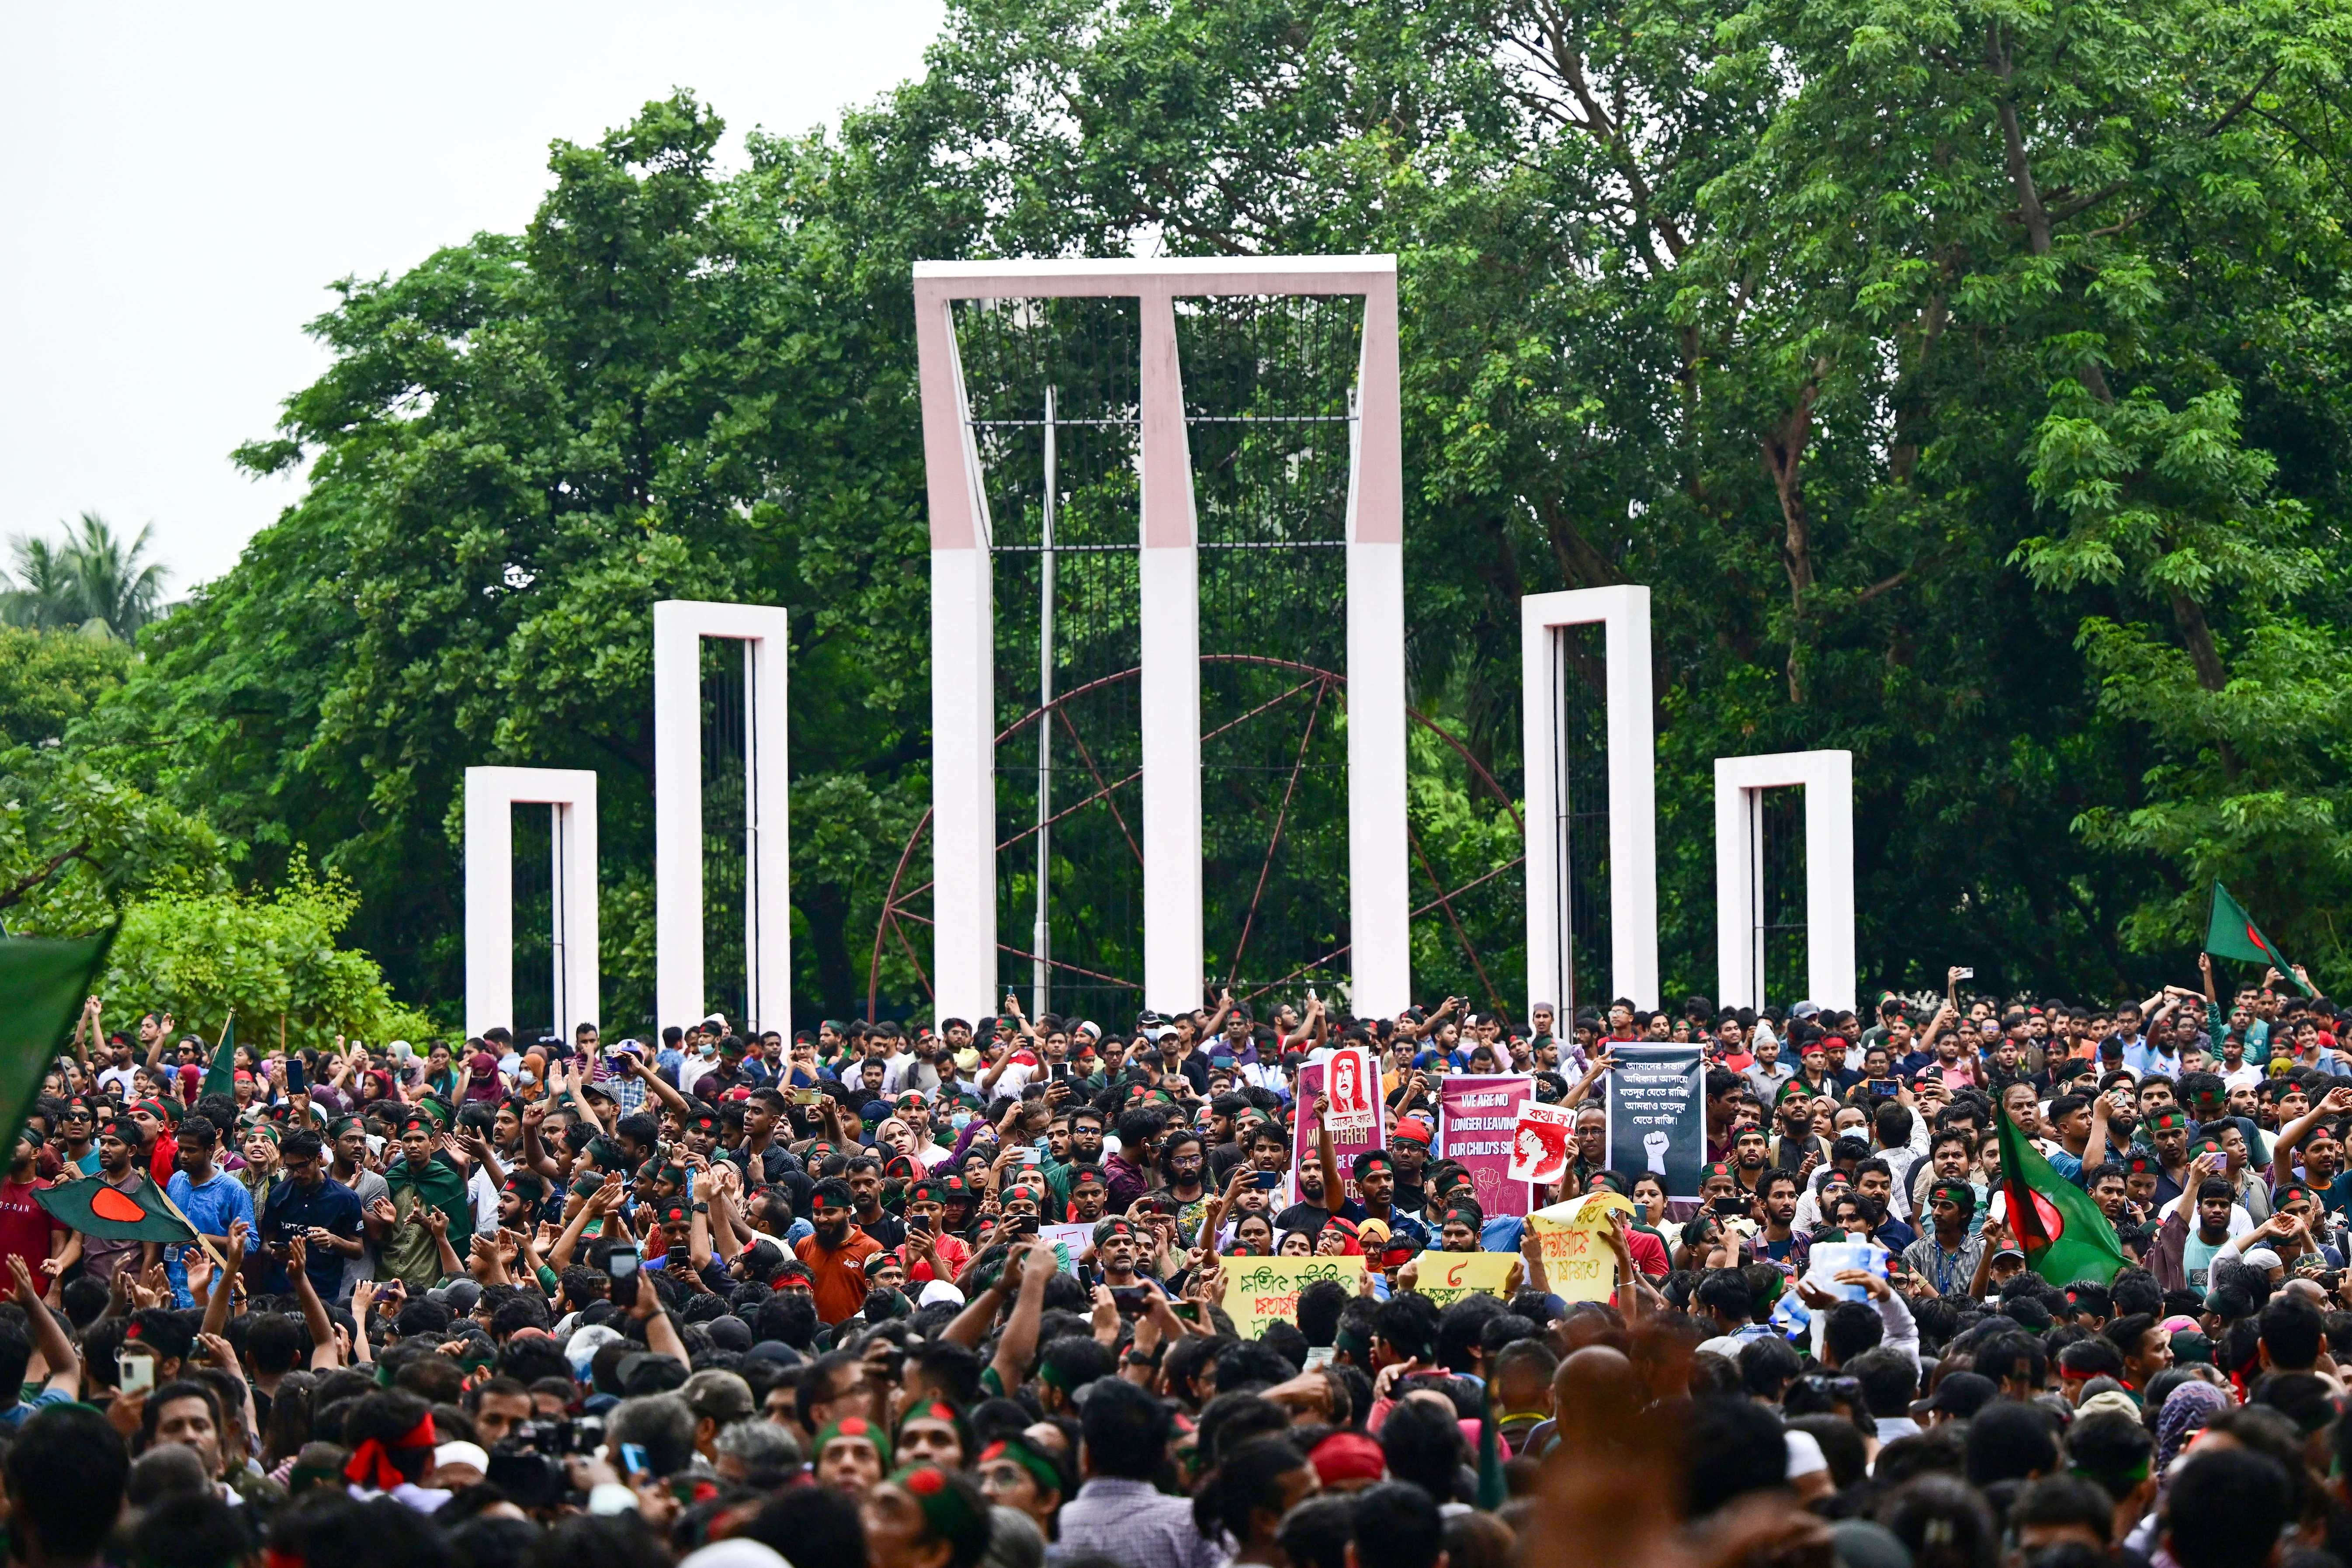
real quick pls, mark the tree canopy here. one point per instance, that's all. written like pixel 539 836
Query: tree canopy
pixel 1967 381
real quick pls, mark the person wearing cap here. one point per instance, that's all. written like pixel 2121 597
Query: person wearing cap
pixel 1959 1397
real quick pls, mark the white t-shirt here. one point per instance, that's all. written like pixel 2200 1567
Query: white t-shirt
pixel 485 1195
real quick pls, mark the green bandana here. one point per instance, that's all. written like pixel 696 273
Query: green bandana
pixel 949 1510
pixel 852 1426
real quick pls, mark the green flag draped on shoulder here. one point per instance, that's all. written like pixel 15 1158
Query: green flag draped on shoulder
pixel 2231 933
pixel 2065 1237
pixel 42 984
pixel 221 1077
pixel 101 1209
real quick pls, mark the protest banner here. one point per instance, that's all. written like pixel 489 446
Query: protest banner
pixel 1447 1277
pixel 1348 1144
pixel 1656 1099
pixel 1070 1242
pixel 1352 1103
pixel 1477 1112
pixel 1541 1142
pixel 1579 1262
pixel 1263 1290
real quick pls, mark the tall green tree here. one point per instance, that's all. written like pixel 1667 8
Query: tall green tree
pixel 1965 382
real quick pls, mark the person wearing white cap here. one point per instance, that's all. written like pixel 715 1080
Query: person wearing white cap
pixel 1809 1469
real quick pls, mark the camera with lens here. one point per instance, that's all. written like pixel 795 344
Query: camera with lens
pixel 529 1466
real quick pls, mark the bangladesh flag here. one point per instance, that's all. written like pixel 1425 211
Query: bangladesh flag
pixel 2231 933
pixel 222 1076
pixel 42 984
pixel 103 1210
pixel 2065 1237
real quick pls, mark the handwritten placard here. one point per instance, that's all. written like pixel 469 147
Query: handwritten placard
pixel 1447 1277
pixel 1263 1290
pixel 1579 1263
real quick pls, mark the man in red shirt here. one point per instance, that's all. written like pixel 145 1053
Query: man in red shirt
pixel 932 1253
pixel 836 1256
pixel 26 1229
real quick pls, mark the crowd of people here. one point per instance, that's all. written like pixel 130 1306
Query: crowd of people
pixel 934 1296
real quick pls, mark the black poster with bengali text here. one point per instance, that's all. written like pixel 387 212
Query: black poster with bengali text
pixel 1656 1100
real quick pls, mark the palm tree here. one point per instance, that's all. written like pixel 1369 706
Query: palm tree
pixel 92 580
pixel 43 593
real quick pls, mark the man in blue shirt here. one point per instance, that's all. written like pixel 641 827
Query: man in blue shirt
pixel 315 1206
pixel 209 1197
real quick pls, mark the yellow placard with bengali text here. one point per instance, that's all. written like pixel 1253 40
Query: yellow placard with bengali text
pixel 1447 1277
pixel 1581 1264
pixel 1262 1290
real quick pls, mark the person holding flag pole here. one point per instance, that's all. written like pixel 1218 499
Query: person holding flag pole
pixel 2065 1237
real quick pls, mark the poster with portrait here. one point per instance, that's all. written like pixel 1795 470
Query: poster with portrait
pixel 1543 1141
pixel 1351 1102
pixel 1656 1099
pixel 1475 1114
pixel 1347 1141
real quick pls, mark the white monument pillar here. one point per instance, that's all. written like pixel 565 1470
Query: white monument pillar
pixel 1624 616
pixel 1168 575
pixel 963 672
pixel 963 820
pixel 491 794
pixel 680 626
pixel 1379 870
pixel 1827 778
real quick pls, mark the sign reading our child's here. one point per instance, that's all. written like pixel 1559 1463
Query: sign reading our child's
pixel 1477 1114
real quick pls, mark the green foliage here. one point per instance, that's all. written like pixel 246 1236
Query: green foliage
pixel 200 954
pixel 75 844
pixel 93 580
pixel 48 679
pixel 1967 381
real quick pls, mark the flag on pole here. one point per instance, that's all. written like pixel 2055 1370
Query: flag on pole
pixel 2231 933
pixel 2065 1237
pixel 221 1078
pixel 42 984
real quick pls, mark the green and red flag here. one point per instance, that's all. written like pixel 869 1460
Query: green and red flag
pixel 221 1078
pixel 42 986
pixel 2065 1237
pixel 104 1210
pixel 2231 933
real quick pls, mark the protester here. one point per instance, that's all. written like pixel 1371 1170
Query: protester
pixel 989 1292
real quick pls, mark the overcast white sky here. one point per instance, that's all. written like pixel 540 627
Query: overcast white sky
pixel 182 182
